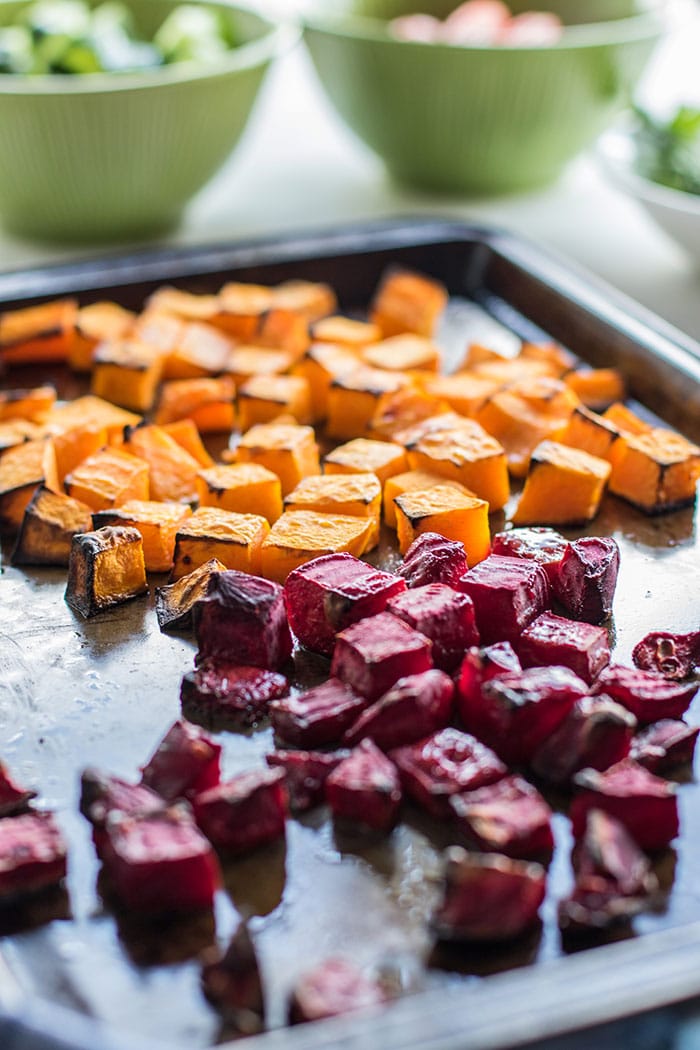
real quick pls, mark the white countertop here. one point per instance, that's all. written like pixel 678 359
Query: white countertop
pixel 298 168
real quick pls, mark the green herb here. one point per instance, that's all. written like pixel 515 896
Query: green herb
pixel 668 151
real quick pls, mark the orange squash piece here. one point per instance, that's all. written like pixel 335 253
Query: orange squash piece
pixel 92 413
pixel 597 388
pixel 656 471
pixel 16 432
pixel 156 522
pixel 345 332
pixel 407 302
pixel 22 469
pixel 48 526
pixel 202 350
pixel 97 323
pixel 75 445
pixel 241 307
pixel 409 481
pixel 38 334
pixel 560 361
pixel 356 495
pixel 161 331
pixel 478 354
pixel 461 450
pixel 626 421
pixel 186 305
pixel 283 330
pixel 31 405
pixel 244 362
pixel 262 399
pixel 464 392
pixel 319 367
pixel 105 568
pixel 509 371
pixel 172 471
pixel 564 486
pixel 444 509
pixel 288 450
pixel 108 478
pixel 382 458
pixel 245 488
pixel 234 539
pixel 397 413
pixel 299 536
pixel 185 432
pixel 127 372
pixel 588 431
pixel 403 353
pixel 311 299
pixel 207 402
pixel 353 399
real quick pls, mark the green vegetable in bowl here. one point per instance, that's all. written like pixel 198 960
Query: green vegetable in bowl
pixel 668 151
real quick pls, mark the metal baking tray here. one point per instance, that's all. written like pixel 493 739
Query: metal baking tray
pixel 102 692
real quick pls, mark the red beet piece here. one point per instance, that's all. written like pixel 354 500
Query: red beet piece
pixel 243 813
pixel 508 594
pixel 443 765
pixel 102 794
pixel 413 708
pixel 521 709
pixel 13 799
pixel 508 817
pixel 306 773
pixel 185 763
pixel 665 745
pixel 543 545
pixel 365 789
pixel 329 593
pixel 443 615
pixel 333 988
pixel 240 695
pixel 478 667
pixel 233 985
pixel 585 582
pixel 318 717
pixel 242 620
pixel 373 654
pixel 648 696
pixel 432 558
pixel 672 655
pixel 595 734
pixel 645 804
pixel 160 863
pixel 488 897
pixel 552 639
pixel 32 854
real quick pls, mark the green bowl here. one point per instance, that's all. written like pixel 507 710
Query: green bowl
pixel 479 119
pixel 110 156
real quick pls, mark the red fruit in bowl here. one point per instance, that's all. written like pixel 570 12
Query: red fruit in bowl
pixel 318 717
pixel 647 695
pixel 508 817
pixel 644 803
pixel 552 639
pixel 538 543
pixel 432 558
pixel 508 594
pixel 441 614
pixel 185 762
pixel 587 576
pixel 595 734
pixel 414 707
pixel 373 654
pixel 478 667
pixel 365 790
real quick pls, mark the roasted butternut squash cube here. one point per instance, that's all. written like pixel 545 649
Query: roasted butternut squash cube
pixel 128 372
pixel 320 365
pixel 234 539
pixel 161 331
pixel 108 478
pixel 564 486
pixel 345 332
pixel 452 513
pixel 92 413
pixel 403 353
pixel 287 450
pixel 48 526
pixel 37 334
pixel 175 602
pixel 172 471
pixel 187 305
pixel 311 299
pixel 357 495
pixel 301 535
pixel 31 405
pixel 262 399
pixel 461 450
pixel 105 568
pixel 407 302
pixel 588 431
pixel 512 370
pixel 409 481
pixel 17 431
pixel 626 421
pixel 478 354
pixel 382 458
pixel 398 413
pixel 246 361
pixel 656 471
pixel 22 469
pixel 207 402
pixel 202 350
pixel 353 399
pixel 245 488
pixel 597 388
pixel 97 323
pixel 75 445
pixel 241 307
pixel 156 522
pixel 463 392
pixel 185 432
pixel 560 361
pixel 282 329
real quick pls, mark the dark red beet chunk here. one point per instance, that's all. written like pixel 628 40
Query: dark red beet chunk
pixel 373 654
pixel 443 765
pixel 552 639
pixel 238 695
pixel 595 734
pixel 185 763
pixel 13 799
pixel 478 667
pixel 243 813
pixel 32 854
pixel 318 717
pixel 673 655
pixel 306 773
pixel 508 594
pixel 331 592
pixel 444 616
pixel 665 745
pixel 242 621
pixel 365 789
pixel 102 795
pixel 645 804
pixel 432 558
pixel 508 817
pixel 648 696
pixel 160 863
pixel 540 544
pixel 585 583
pixel 412 709
pixel 333 988
pixel 233 985
pixel 488 897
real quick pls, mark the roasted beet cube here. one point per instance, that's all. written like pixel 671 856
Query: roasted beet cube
pixel 443 615
pixel 185 763
pixel 552 639
pixel 13 799
pixel 585 582
pixel 318 717
pixel 329 593
pixel 478 667
pixel 333 988
pixel 672 655
pixel 242 620
pixel 160 863
pixel 648 696
pixel 664 746
pixel 543 545
pixel 102 795
pixel 373 654
pixel 432 558
pixel 645 804
pixel 508 594
pixel 365 789
pixel 412 709
pixel 32 854
pixel 243 813
pixel 238 696
pixel 233 985
pixel 595 734
pixel 443 765
pixel 488 897
pixel 306 773
pixel 508 817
